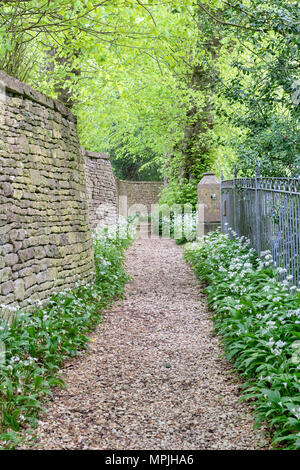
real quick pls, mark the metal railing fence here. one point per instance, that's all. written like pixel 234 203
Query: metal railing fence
pixel 267 211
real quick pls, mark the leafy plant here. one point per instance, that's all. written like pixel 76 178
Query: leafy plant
pixel 37 343
pixel 175 223
pixel 258 319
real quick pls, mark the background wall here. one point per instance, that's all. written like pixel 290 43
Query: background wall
pixel 140 192
pixel 104 190
pixel 45 239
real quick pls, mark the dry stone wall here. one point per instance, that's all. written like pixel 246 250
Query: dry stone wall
pixel 45 239
pixel 101 189
pixel 52 193
pixel 109 197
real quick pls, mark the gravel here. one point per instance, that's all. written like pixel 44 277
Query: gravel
pixel 153 378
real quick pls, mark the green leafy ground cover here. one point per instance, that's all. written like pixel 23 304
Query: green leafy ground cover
pixel 38 343
pixel 258 319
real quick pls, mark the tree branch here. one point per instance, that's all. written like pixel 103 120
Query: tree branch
pixel 143 6
pixel 226 23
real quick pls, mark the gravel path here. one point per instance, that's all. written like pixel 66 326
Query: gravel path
pixel 153 378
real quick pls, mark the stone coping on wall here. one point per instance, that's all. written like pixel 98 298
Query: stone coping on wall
pixel 87 153
pixel 15 86
pixel 140 182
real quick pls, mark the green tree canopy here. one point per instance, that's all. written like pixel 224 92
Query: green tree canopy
pixel 170 88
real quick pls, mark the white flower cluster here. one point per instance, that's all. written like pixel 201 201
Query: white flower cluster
pixel 123 229
pixel 296 411
pixel 276 346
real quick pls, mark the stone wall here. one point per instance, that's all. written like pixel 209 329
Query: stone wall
pixel 45 240
pixel 140 192
pixel 52 192
pixel 109 196
pixel 101 189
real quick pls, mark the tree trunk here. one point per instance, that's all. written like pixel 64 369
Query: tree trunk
pixel 195 145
